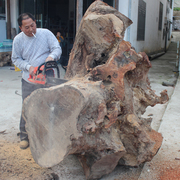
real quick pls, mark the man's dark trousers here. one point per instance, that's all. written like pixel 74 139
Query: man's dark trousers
pixel 27 89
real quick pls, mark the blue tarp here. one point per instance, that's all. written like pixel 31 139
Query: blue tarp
pixel 6 45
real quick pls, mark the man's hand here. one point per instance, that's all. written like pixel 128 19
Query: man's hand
pixel 49 59
pixel 31 71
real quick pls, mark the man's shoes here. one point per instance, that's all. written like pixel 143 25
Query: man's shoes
pixel 24 144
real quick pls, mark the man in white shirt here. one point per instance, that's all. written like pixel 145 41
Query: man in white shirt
pixel 32 47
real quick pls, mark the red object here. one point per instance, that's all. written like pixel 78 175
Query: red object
pixel 44 70
pixel 39 78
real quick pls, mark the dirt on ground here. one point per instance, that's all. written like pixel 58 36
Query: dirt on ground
pixel 164 169
pixel 19 164
pixel 170 173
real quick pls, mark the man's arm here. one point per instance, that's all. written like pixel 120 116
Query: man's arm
pixel 17 59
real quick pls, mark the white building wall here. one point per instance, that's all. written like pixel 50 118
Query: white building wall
pixel 133 28
pixel 14 14
pixel 153 37
pixel 124 9
pixel 2 30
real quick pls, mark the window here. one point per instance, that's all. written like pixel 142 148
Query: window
pixel 2 9
pixel 141 21
pixel 36 8
pixel 109 2
pixel 160 16
pixel 87 3
pixel 26 6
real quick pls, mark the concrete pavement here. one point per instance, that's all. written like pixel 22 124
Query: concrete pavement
pixel 10 102
pixel 166 164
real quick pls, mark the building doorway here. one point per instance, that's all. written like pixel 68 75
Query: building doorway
pixel 57 15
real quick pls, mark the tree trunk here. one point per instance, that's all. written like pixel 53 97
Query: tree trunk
pixel 96 115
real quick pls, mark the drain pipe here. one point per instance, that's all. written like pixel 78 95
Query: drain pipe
pixel 153 56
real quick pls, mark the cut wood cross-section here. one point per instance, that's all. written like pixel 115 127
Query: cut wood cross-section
pixel 96 114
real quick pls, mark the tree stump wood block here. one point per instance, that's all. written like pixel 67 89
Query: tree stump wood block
pixel 96 115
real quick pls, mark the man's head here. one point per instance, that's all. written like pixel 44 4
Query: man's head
pixel 27 24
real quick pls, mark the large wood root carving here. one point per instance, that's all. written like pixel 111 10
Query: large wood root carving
pixel 96 115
